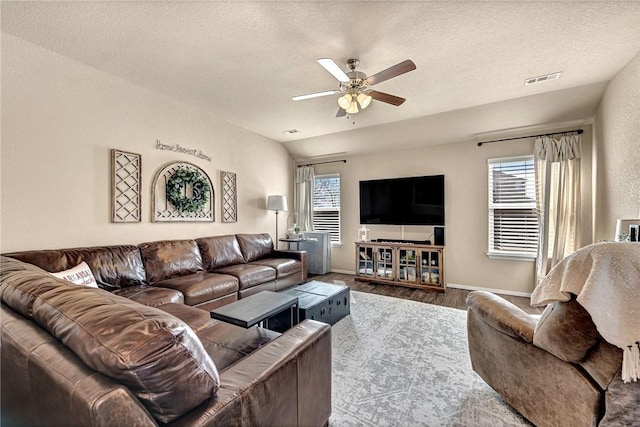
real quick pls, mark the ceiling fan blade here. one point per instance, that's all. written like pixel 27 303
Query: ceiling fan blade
pixel 333 68
pixel 314 95
pixel 341 113
pixel 385 97
pixel 396 70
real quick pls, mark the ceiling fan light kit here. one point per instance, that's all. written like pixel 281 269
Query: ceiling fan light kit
pixel 344 101
pixel 355 85
pixel 350 102
pixel 353 106
pixel 364 100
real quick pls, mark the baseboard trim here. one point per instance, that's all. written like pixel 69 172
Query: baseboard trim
pixel 464 287
pixel 352 273
pixel 495 291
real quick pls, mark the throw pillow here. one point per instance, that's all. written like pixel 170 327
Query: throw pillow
pixel 80 275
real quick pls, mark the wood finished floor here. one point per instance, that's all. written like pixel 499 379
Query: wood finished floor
pixel 455 298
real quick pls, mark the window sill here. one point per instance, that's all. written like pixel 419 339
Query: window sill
pixel 336 244
pixel 512 256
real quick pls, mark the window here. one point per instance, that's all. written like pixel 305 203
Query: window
pixel 513 223
pixel 326 205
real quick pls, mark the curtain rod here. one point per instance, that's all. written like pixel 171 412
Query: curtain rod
pixel 579 131
pixel 322 163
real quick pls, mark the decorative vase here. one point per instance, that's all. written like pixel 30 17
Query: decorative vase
pixel 364 234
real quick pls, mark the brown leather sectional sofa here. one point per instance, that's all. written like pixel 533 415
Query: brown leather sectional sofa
pixel 84 356
pixel 206 273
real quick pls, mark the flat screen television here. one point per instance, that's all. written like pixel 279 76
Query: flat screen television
pixel 415 200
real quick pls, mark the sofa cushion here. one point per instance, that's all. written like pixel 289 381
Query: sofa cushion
pixel 255 246
pixel 228 344
pixel 283 266
pixel 151 295
pixel 22 283
pixel 225 343
pixel 114 267
pixel 566 330
pixel 170 258
pixel 196 319
pixel 249 274
pixel 220 251
pixel 79 275
pixel 156 355
pixel 602 363
pixel 200 287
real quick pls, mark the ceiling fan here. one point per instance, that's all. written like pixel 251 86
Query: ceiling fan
pixel 355 85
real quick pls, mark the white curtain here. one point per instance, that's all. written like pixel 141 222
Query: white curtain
pixel 304 198
pixel 557 199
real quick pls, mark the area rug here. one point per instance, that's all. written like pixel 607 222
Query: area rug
pixel 406 363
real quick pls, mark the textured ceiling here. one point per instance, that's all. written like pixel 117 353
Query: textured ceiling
pixel 242 61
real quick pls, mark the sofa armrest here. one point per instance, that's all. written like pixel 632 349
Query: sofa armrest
pixel 285 382
pixel 502 315
pixel 297 255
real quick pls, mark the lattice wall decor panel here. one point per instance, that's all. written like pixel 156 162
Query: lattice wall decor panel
pixel 229 197
pixel 126 171
pixel 164 211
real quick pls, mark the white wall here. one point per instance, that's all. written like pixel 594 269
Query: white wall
pixel 60 119
pixel 617 130
pixel 466 198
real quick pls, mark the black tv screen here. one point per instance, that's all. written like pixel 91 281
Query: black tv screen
pixel 403 201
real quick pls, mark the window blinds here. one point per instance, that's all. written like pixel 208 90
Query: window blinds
pixel 326 205
pixel 513 223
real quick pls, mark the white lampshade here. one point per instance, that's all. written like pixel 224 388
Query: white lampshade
pixel 622 228
pixel 364 100
pixel 353 107
pixel 344 101
pixel 277 203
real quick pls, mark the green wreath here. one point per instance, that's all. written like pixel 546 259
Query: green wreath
pixel 178 181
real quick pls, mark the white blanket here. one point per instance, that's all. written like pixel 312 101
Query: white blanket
pixel 606 279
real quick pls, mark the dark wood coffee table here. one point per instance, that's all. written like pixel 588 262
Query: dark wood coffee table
pixel 257 308
pixel 326 302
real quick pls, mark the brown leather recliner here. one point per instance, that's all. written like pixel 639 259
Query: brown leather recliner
pixel 556 370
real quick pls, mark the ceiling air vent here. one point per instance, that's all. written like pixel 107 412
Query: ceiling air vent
pixel 540 79
pixel 290 131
